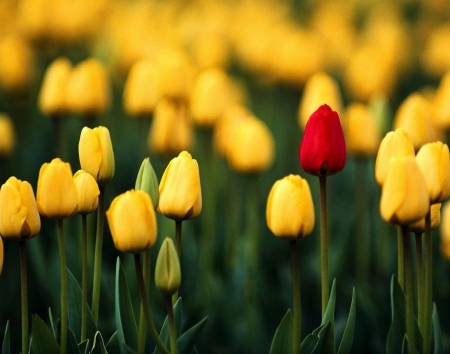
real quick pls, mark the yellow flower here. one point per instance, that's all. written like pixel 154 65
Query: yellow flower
pixel 7 136
pixel 1 255
pixel 180 195
pixel 96 154
pixel 290 209
pixel 132 222
pixel 441 103
pixel 19 216
pixel 445 230
pixel 395 143
pixel 404 195
pixel 88 192
pixel 52 97
pixel 57 196
pixel 434 162
pixel 167 269
pixel 419 226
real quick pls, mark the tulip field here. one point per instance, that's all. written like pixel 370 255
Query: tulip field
pixel 224 176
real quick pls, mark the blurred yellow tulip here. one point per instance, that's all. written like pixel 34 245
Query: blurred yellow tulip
pixel 96 154
pixel 132 222
pixel 19 216
pixel 290 209
pixel 434 162
pixel 435 213
pixel 88 192
pixel 1 255
pixel 7 136
pixel 180 194
pixel 395 143
pixel 404 195
pixel 441 103
pixel 167 269
pixel 445 230
pixel 57 196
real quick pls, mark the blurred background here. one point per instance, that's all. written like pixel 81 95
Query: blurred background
pixel 166 76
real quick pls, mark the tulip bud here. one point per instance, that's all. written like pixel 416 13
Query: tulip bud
pixel 180 195
pixel 434 162
pixel 167 269
pixel 396 143
pixel 88 192
pixel 19 216
pixel 322 150
pixel 57 196
pixel 404 196
pixel 290 209
pixel 445 230
pixel 147 181
pixel 435 214
pixel 7 136
pixel 53 94
pixel 132 222
pixel 96 154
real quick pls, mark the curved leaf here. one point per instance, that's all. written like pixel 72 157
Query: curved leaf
pixel 397 331
pixel 282 342
pixel 187 340
pixel 6 349
pixel 437 335
pixel 313 341
pixel 349 331
pixel 328 340
pixel 113 344
pixel 98 347
pixel 43 341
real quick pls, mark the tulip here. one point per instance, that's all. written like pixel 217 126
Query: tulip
pixel 1 255
pixel 180 196
pixel 132 221
pixel 445 230
pixel 88 192
pixel 96 154
pixel 435 214
pixel 211 49
pixel 7 136
pixel 57 196
pixel 404 195
pixel 167 269
pixel 147 181
pixel 434 162
pixel 396 143
pixel 322 150
pixel 441 103
pixel 290 209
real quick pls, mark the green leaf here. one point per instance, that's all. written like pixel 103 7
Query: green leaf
pixel 83 347
pixel 113 344
pixel 328 341
pixel 314 340
pixel 74 310
pixel 282 342
pixel 72 346
pixel 187 340
pixel 437 335
pixel 6 348
pixel 52 322
pixel 43 341
pixel 125 321
pixel 349 331
pixel 397 331
pixel 98 347
pixel 165 330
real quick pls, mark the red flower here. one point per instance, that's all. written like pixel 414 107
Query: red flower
pixel 322 150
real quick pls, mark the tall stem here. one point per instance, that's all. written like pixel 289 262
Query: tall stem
pixel 98 254
pixel 363 237
pixel 144 302
pixel 172 328
pixel 400 258
pixel 178 224
pixel 410 328
pixel 63 271
pixel 324 242
pixel 83 277
pixel 142 326
pixel 428 286
pixel 296 296
pixel 420 279
pixel 24 298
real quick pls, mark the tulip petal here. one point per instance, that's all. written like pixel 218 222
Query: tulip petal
pixel 90 152
pixel 12 213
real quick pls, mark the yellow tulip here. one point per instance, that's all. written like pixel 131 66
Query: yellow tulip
pixel 88 192
pixel 435 213
pixel 404 195
pixel 19 216
pixel 396 143
pixel 445 230
pixel 132 222
pixel 290 209
pixel 441 103
pixel 1 255
pixel 167 269
pixel 7 136
pixel 180 195
pixel 57 196
pixel 434 162
pixel 96 154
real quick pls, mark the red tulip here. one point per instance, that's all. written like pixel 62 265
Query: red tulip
pixel 322 150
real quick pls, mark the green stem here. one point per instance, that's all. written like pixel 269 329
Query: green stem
pixel 363 237
pixel 63 270
pixel 83 278
pixel 428 286
pixel 144 126
pixel 420 279
pixel 98 254
pixel 410 328
pixel 144 302
pixel 172 327
pixel 142 326
pixel 178 224
pixel 324 242
pixel 400 258
pixel 296 297
pixel 24 298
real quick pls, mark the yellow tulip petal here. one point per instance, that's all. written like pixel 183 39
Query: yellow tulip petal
pixel 90 152
pixel 12 213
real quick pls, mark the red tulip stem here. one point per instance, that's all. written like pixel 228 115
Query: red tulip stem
pixel 410 327
pixel 324 242
pixel 428 286
pixel 24 297
pixel 420 279
pixel 400 259
pixel 296 297
pixel 98 254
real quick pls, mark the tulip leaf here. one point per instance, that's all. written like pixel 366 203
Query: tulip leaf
pixel 125 320
pixel 437 335
pixel 397 331
pixel 98 347
pixel 72 346
pixel 83 347
pixel 52 322
pixel 6 348
pixel 313 341
pixel 282 341
pixel 74 310
pixel 113 344
pixel 349 331
pixel 328 344
pixel 187 340
pixel 43 340
pixel 165 331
